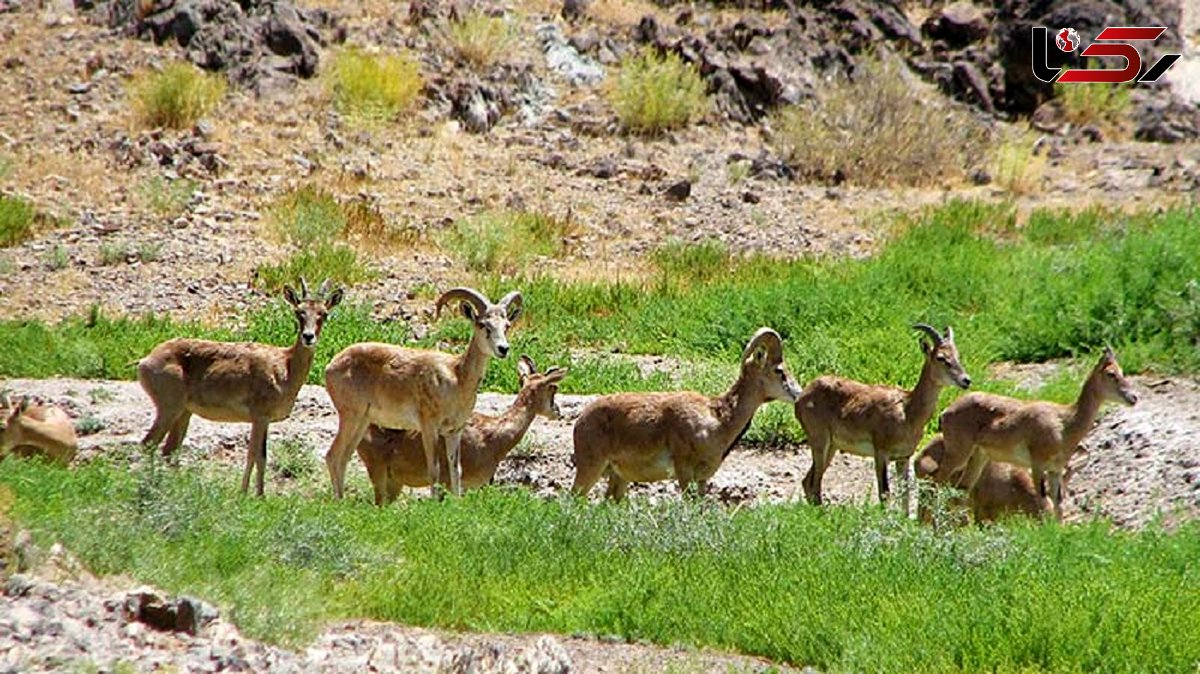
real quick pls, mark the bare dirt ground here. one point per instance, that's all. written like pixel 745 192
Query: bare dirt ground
pixel 1143 462
pixel 68 142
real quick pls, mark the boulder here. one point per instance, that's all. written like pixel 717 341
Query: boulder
pixel 958 25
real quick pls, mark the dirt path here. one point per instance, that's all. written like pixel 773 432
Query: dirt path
pixel 1143 461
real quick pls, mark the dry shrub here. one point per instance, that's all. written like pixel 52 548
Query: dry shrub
pixel 480 39
pixel 175 97
pixel 879 128
pixel 1015 165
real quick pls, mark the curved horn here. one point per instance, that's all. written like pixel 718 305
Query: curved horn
pixel 303 288
pixel 471 295
pixel 931 331
pixel 768 338
pixel 513 297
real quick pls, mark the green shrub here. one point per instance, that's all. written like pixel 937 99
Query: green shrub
pixel 654 93
pixel 17 218
pixel 175 97
pixel 374 88
pixel 307 216
pixel 480 39
pixel 167 198
pixel 506 240
pixel 336 262
pixel 879 128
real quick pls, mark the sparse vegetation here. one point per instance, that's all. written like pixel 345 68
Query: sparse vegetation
pixel 112 253
pixel 337 262
pixel 506 241
pixel 175 97
pixel 1020 597
pixel 1017 168
pixel 307 216
pixel 56 258
pixel 1105 106
pixel 17 218
pixel 167 198
pixel 480 39
pixel 877 128
pixel 653 93
pixel 374 88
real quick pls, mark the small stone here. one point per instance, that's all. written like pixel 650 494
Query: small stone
pixel 679 191
pixel 750 197
pixel 80 88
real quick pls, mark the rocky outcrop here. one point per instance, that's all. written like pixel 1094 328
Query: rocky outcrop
pixel 263 45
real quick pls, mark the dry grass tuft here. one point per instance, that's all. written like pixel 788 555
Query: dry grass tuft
pixel 480 39
pixel 374 88
pixel 879 129
pixel 175 97
pixel 1105 106
pixel 654 93
pixel 1016 167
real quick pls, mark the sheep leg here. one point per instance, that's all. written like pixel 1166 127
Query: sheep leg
pixel 178 431
pixel 258 436
pixel 588 470
pixel 617 486
pixel 453 445
pixel 1056 493
pixel 881 475
pixel 260 457
pixel 351 428
pixel 819 442
pixel 429 441
pixel 903 469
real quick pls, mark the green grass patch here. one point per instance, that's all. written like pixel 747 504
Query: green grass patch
pixel 1058 286
pixel 341 264
pixel 506 241
pixel 17 219
pixel 175 97
pixel 842 589
pixel 653 93
pixel 374 88
pixel 877 128
pixel 167 198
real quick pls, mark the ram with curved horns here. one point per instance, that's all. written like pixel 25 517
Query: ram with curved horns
pixel 417 389
pixel 646 437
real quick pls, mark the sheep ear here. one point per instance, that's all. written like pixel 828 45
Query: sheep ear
pixel 926 347
pixel 468 311
pixel 22 406
pixel 289 294
pixel 525 367
pixel 335 298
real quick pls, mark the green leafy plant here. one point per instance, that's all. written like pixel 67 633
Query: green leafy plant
pixel 653 93
pixel 374 88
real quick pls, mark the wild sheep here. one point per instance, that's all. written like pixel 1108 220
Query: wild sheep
pixel 417 389
pixel 879 422
pixel 234 381
pixel 645 437
pixel 396 458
